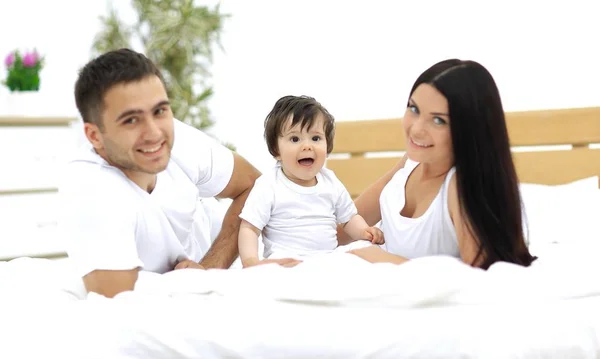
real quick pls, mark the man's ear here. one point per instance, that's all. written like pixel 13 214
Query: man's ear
pixel 93 134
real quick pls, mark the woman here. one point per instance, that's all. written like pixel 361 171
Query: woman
pixel 456 191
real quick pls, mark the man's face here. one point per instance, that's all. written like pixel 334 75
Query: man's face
pixel 137 134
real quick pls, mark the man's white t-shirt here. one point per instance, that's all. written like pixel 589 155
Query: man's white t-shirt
pixel 110 223
pixel 297 220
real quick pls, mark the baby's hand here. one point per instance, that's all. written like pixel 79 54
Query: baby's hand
pixel 374 235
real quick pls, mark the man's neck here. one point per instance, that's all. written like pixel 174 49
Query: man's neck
pixel 145 181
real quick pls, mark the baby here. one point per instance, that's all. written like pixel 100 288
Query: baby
pixel 298 204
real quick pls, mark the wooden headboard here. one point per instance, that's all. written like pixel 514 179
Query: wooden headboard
pixel 365 150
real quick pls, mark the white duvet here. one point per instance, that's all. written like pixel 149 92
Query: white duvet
pixel 334 306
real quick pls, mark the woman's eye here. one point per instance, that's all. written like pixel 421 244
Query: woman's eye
pixel 439 121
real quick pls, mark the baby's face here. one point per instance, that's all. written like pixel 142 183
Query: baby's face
pixel 302 152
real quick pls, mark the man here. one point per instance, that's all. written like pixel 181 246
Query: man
pixel 131 196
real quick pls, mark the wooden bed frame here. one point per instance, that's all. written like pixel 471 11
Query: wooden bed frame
pixel 365 150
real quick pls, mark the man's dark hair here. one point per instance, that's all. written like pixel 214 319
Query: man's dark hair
pixel 102 73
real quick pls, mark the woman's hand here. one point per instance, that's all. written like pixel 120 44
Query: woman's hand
pixel 375 254
pixel 284 262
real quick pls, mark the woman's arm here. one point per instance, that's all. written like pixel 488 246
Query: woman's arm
pixel 367 203
pixel 467 243
pixel 375 254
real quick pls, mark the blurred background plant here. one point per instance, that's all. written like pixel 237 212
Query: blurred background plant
pixel 179 37
pixel 23 71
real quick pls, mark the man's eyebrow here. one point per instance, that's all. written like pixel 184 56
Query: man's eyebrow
pixel 131 112
pixel 128 113
pixel 161 104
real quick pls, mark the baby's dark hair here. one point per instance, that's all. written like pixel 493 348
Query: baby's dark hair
pixel 303 110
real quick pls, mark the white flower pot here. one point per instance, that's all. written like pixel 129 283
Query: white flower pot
pixel 22 104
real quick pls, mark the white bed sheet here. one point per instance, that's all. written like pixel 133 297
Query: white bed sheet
pixel 213 327
pixel 335 307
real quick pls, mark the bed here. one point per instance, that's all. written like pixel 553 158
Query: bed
pixel 338 306
pixel 556 154
pixel 550 147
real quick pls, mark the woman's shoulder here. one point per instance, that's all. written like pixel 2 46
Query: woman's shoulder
pixel 395 179
pixel 405 163
pixel 452 199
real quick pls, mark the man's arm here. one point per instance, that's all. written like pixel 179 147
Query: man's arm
pixel 224 249
pixel 110 282
pixel 99 236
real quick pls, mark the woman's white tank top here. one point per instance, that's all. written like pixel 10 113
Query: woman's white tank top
pixel 433 233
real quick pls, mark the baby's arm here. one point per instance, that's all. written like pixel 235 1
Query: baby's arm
pixel 357 228
pixel 248 244
pixel 248 247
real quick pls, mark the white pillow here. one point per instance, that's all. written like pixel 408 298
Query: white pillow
pixel 565 213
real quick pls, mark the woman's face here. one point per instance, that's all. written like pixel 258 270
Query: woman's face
pixel 427 126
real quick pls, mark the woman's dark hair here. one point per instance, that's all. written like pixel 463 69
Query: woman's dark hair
pixel 487 183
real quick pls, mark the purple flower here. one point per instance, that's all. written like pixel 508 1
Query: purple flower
pixel 30 59
pixel 10 59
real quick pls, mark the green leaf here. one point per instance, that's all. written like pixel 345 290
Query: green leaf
pixel 179 37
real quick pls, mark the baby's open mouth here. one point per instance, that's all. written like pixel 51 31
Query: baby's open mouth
pixel 306 161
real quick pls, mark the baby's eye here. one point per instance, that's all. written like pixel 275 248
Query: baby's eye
pixel 316 138
pixel 294 139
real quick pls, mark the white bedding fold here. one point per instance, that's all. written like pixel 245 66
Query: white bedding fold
pixel 346 280
pixel 342 279
pixel 336 306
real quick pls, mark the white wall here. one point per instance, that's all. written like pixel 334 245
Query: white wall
pixel 359 58
pixel 64 39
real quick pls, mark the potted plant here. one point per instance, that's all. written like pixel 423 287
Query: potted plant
pixel 179 36
pixel 23 82
pixel 23 71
